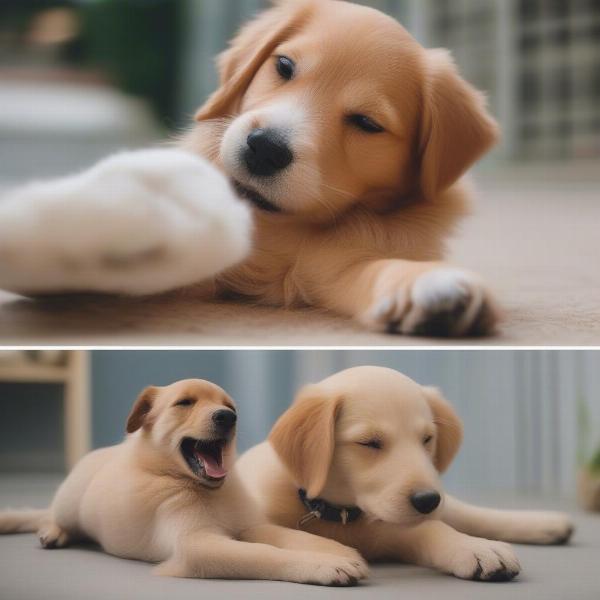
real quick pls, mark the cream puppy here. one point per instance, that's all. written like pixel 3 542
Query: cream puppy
pixel 166 495
pixel 357 459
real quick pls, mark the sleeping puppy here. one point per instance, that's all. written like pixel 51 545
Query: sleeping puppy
pixel 165 495
pixel 357 459
pixel 349 139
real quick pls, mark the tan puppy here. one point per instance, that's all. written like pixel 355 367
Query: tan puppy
pixel 166 496
pixel 349 139
pixel 367 446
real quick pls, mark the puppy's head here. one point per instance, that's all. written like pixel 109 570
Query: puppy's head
pixel 192 424
pixel 324 105
pixel 373 438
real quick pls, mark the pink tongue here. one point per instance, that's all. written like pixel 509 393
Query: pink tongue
pixel 211 466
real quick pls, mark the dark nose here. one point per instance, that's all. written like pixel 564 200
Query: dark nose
pixel 426 501
pixel 267 152
pixel 224 420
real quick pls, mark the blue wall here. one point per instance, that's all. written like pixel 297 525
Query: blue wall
pixel 118 377
pixel 519 407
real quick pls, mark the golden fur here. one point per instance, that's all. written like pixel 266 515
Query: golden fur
pixel 319 444
pixel 364 217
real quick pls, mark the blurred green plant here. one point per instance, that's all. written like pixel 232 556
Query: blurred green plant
pixel 138 43
pixel 588 457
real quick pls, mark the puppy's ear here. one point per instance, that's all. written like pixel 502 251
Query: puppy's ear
pixel 456 128
pixel 304 438
pixel 449 428
pixel 248 51
pixel 139 413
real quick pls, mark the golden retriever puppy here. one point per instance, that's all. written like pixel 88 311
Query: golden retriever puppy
pixel 166 496
pixel 357 459
pixel 349 139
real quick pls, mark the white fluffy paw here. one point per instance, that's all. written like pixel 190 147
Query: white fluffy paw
pixel 483 560
pixel 441 302
pixel 137 223
pixel 326 569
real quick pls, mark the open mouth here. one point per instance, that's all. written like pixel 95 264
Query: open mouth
pixel 255 198
pixel 205 459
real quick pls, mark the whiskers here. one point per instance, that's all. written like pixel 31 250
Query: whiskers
pixel 317 172
pixel 317 197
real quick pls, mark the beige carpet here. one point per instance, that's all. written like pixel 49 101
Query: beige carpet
pixel 535 238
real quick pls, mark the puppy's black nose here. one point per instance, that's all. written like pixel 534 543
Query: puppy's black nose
pixel 224 420
pixel 426 501
pixel 267 152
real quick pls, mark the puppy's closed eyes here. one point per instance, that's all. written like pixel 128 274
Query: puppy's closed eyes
pixel 167 495
pixel 371 443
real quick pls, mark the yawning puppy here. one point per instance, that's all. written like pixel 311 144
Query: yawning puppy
pixel 349 139
pixel 166 496
pixel 357 459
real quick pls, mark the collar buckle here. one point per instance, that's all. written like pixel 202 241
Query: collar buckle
pixel 321 509
pixel 308 517
pixel 344 516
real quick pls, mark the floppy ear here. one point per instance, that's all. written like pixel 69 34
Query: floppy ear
pixel 304 438
pixel 248 51
pixel 456 128
pixel 449 429
pixel 141 408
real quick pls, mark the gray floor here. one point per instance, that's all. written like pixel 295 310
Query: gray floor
pixel 29 573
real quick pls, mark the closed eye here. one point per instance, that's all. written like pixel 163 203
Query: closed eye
pixel 364 123
pixel 185 402
pixel 427 440
pixel 374 443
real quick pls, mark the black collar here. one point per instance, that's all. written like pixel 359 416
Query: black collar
pixel 321 509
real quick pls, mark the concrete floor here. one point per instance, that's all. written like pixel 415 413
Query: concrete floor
pixel 30 573
pixel 534 238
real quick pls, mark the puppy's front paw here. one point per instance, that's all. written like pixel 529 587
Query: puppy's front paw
pixel 331 570
pixel 483 560
pixel 441 302
pixel 137 223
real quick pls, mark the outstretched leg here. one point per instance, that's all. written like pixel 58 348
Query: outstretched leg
pixel 22 521
pixel 435 544
pixel 522 527
pixel 292 539
pixel 217 557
